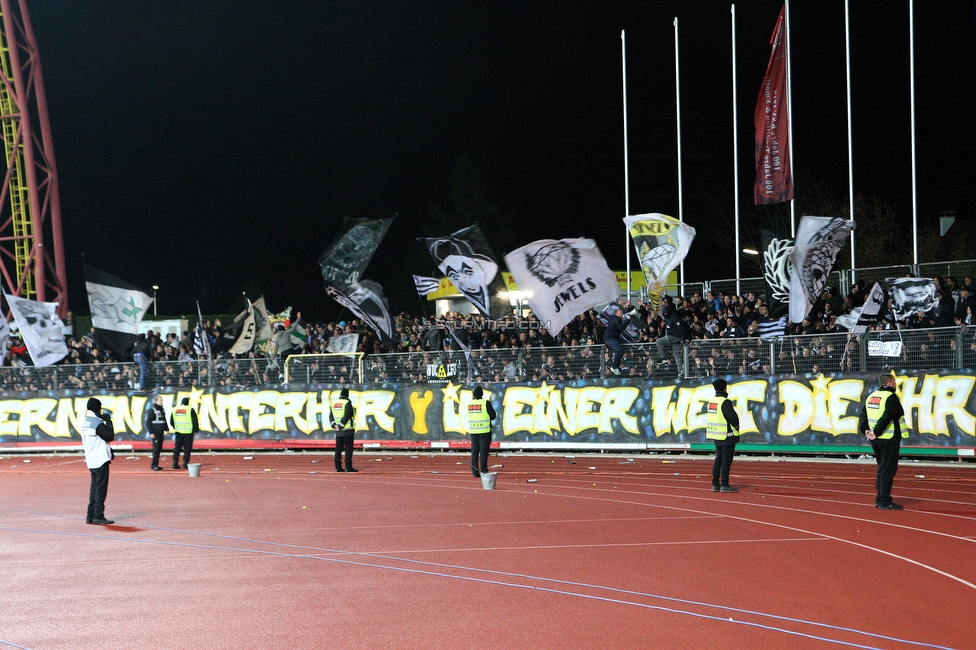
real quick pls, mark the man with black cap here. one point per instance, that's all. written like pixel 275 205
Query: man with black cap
pixel 342 418
pixel 480 415
pixel 96 432
pixel 156 424
pixel 185 424
pixel 881 422
pixel 722 426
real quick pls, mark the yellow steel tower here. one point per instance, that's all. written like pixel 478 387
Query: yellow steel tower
pixel 30 211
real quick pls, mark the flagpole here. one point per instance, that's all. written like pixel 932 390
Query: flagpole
pixel 735 166
pixel 911 46
pixel 677 102
pixel 789 109
pixel 623 61
pixel 850 136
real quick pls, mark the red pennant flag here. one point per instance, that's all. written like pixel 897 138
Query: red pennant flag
pixel 774 178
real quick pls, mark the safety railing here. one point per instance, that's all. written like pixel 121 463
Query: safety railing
pixel 917 349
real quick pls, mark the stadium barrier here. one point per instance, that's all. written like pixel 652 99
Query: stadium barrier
pixel 790 413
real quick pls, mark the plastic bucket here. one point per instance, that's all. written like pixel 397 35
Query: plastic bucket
pixel 194 469
pixel 488 480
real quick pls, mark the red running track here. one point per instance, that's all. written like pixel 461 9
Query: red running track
pixel 279 551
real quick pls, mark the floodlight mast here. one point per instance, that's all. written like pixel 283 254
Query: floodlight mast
pixel 30 208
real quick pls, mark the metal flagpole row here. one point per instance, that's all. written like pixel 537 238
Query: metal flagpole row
pixel 623 61
pixel 789 110
pixel 850 127
pixel 911 47
pixel 735 166
pixel 677 101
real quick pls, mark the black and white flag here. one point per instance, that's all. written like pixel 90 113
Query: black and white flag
pixel 771 329
pixel 40 328
pixel 367 300
pixel 4 340
pixel 261 321
pixel 776 265
pixel 662 242
pixel 346 258
pixel 343 343
pixel 238 337
pixel 425 285
pixel 868 314
pixel 910 295
pixel 117 308
pixel 466 259
pixel 818 242
pixel 562 278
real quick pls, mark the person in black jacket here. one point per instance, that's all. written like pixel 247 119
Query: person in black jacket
pixel 157 426
pixel 615 328
pixel 881 422
pixel 141 352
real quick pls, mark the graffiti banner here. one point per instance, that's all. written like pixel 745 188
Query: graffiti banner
pixel 940 411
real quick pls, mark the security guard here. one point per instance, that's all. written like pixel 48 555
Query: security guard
pixel 882 424
pixel 156 424
pixel 480 415
pixel 342 417
pixel 185 424
pixel 722 426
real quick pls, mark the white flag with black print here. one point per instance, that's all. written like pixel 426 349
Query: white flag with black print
pixel 343 343
pixel 4 340
pixel 910 295
pixel 239 336
pixel 117 308
pixel 662 242
pixel 818 242
pixel 562 278
pixel 425 285
pixel 40 328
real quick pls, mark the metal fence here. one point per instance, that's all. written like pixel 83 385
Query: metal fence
pixel 921 349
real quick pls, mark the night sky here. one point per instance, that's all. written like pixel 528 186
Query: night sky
pixel 214 147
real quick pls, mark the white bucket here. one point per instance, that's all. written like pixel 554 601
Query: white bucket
pixel 488 480
pixel 194 469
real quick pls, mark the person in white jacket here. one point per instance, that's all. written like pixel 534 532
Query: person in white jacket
pixel 96 432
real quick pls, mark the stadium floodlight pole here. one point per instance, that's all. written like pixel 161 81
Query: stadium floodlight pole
pixel 677 103
pixel 850 133
pixel 789 110
pixel 623 61
pixel 735 167
pixel 911 48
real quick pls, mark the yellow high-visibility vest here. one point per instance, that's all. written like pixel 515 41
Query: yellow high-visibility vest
pixel 716 426
pixel 478 420
pixel 339 411
pixel 875 407
pixel 183 419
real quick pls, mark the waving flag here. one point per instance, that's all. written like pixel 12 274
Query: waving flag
pixel 41 329
pixel 466 258
pixel 344 261
pixel 367 300
pixel 818 241
pixel 117 309
pixel 426 285
pixel 910 295
pixel 239 336
pixel 774 176
pixel 562 278
pixel 776 267
pixel 662 242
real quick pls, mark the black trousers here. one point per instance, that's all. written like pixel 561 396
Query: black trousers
pixel 184 443
pixel 724 452
pixel 344 446
pixel 480 445
pixel 886 455
pixel 157 443
pixel 97 492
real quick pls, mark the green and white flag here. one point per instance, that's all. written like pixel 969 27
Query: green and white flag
pixel 117 308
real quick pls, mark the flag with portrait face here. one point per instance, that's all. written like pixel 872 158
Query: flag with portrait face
pixel 466 259
pixel 818 242
pixel 40 328
pixel 562 278
pixel 910 295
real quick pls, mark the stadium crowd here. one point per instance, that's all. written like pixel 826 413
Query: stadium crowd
pixel 710 326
